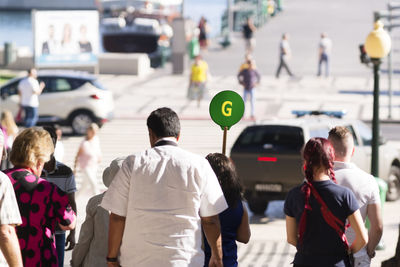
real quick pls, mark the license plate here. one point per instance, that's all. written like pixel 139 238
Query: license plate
pixel 268 187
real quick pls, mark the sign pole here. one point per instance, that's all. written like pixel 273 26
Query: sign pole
pixel 224 141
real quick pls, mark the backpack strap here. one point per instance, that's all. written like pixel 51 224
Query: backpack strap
pixel 331 219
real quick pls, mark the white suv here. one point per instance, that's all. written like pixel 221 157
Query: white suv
pixel 70 98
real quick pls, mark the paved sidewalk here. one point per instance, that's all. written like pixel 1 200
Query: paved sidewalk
pixel 347 23
pixel 275 99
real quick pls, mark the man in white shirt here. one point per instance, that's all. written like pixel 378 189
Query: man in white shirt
pixel 10 254
pixel 364 187
pixel 325 47
pixel 158 201
pixel 29 90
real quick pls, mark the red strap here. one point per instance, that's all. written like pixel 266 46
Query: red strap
pixel 330 219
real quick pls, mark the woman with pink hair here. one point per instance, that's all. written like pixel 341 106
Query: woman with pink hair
pixel 317 210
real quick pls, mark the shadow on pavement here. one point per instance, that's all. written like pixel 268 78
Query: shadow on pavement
pixel 274 212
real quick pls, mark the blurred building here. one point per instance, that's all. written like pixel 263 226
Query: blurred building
pixel 48 4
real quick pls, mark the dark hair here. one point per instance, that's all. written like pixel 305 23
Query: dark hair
pixel 52 131
pixel 31 70
pixel 317 153
pixel 225 171
pixel 164 122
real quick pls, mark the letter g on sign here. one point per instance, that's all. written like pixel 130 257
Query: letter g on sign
pixel 222 111
pixel 227 111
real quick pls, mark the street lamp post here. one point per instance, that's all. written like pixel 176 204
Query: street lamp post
pixel 375 120
pixel 377 46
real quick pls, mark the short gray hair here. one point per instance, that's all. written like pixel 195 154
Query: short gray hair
pixel 110 172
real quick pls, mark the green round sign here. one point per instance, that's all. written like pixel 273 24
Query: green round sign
pixel 226 108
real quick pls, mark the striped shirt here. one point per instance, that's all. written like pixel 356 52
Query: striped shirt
pixel 63 177
pixel 9 211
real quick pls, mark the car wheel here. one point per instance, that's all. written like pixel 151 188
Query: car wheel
pixel 393 192
pixel 257 207
pixel 81 121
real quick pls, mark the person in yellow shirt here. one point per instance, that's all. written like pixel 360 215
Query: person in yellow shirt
pixel 198 80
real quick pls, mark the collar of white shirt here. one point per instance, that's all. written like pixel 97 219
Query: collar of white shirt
pixel 343 165
pixel 172 139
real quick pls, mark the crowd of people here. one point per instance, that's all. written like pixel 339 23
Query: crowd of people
pixel 172 201
pixel 163 203
pixel 248 75
pixel 166 206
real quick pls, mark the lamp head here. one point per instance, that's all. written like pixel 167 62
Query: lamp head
pixel 378 42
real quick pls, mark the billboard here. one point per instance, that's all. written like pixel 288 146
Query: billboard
pixel 65 38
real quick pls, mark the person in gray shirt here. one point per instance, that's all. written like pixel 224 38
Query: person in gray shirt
pixel 284 55
pixel 92 246
pixel 62 176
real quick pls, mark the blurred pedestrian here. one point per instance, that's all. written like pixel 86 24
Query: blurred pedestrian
pixel 249 78
pixel 158 201
pixel 10 254
pixel 234 220
pixel 198 80
pixel 325 47
pixel 271 7
pixel 59 149
pixel 10 131
pixel 88 158
pixel 364 187
pixel 194 44
pixel 41 203
pixel 248 34
pixel 317 210
pixel 247 57
pixel 29 90
pixel 62 176
pixel 92 246
pixel 7 123
pixel 203 35
pixel 284 55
